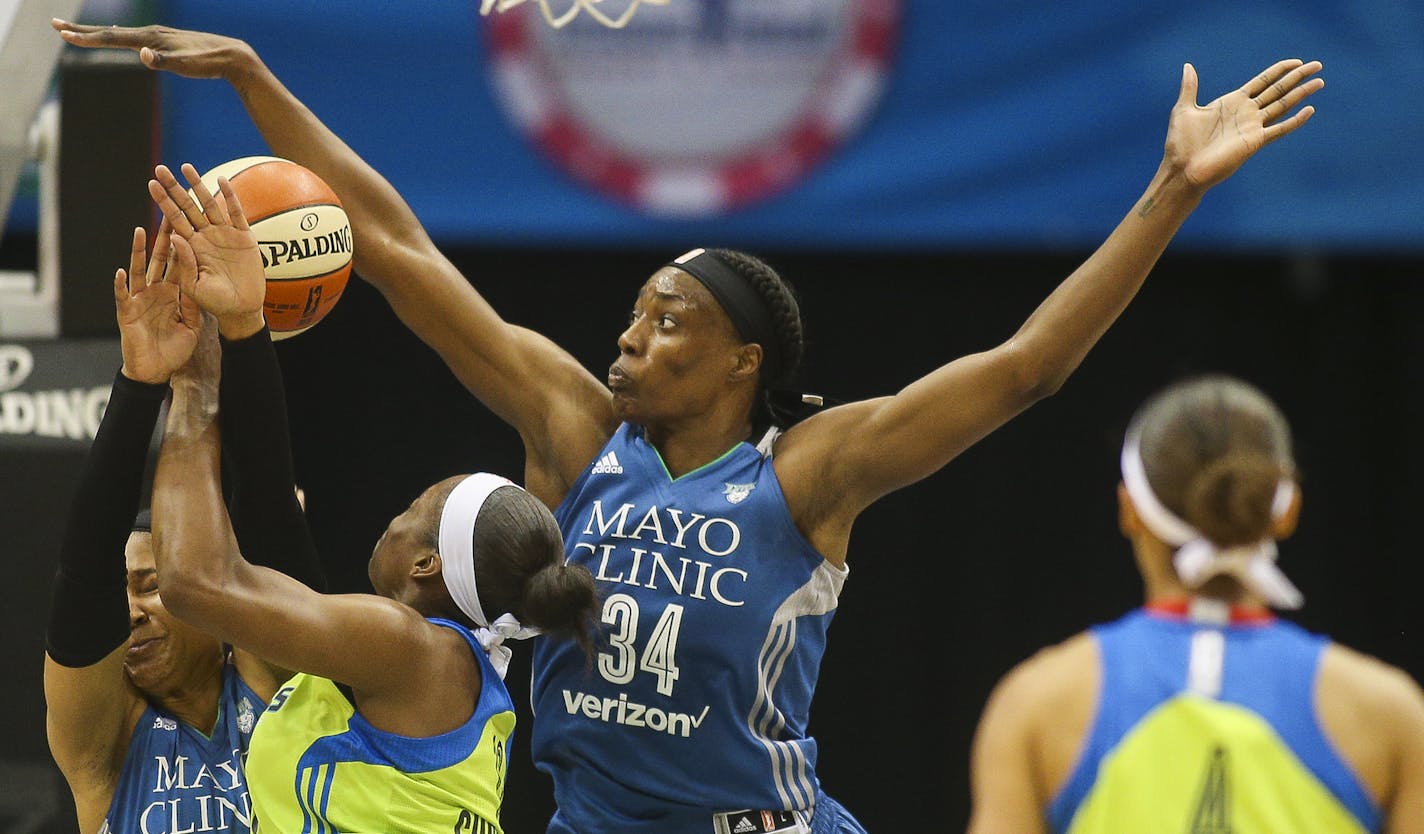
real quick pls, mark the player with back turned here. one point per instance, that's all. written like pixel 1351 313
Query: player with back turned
pixel 719 537
pixel 1201 712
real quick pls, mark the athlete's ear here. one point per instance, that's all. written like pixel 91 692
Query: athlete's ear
pixel 1128 521
pixel 748 362
pixel 427 565
pixel 1284 527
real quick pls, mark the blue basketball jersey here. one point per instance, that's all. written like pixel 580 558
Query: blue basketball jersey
pixel 177 779
pixel 1209 728
pixel 714 622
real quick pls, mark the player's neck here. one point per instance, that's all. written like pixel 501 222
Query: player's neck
pixel 194 701
pixel 691 446
pixel 1221 595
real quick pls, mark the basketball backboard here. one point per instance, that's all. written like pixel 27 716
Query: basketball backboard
pixel 29 51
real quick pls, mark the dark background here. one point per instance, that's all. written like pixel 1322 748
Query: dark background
pixel 1013 546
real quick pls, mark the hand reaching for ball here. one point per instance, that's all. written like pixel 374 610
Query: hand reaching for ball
pixel 222 269
pixel 158 325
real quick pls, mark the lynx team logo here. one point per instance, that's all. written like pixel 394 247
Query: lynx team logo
pixel 697 106
pixel 246 716
pixel 737 493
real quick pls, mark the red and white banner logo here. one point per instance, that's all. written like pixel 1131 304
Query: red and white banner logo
pixel 698 106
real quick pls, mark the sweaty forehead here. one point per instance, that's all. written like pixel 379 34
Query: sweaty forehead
pixel 672 284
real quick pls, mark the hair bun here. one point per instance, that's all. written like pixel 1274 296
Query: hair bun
pixel 1230 499
pixel 560 599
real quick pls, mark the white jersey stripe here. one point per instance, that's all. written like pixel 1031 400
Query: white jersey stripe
pixel 789 767
pixel 793 752
pixel 801 793
pixel 763 709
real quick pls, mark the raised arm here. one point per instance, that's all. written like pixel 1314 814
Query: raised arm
pixel 561 410
pixel 268 519
pixel 860 452
pixel 203 576
pixel 90 705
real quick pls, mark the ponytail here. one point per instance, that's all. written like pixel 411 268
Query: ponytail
pixel 560 600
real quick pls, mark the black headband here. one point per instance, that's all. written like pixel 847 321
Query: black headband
pixel 742 303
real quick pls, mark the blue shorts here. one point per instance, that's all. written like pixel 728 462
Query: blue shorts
pixel 831 818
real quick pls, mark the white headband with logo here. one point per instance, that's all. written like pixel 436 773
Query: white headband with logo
pixel 1198 558
pixel 457 561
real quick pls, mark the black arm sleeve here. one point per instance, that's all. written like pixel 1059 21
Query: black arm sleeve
pixel 268 520
pixel 89 607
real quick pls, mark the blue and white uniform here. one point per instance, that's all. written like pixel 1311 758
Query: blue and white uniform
pixel 714 622
pixel 177 779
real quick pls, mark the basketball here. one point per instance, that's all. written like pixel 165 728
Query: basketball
pixel 302 232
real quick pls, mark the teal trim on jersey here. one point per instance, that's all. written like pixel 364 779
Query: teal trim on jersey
pixel 202 776
pixel 708 465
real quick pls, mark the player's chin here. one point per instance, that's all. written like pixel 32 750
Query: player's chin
pixel 148 673
pixel 625 407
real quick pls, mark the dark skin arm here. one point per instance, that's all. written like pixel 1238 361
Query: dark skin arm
pixel 837 463
pixel 561 411
pixel 91 710
pixel 203 577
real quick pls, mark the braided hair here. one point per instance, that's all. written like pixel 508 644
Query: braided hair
pixel 780 299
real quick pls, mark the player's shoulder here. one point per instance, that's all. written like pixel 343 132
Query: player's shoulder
pixel 1369 683
pixel 1053 675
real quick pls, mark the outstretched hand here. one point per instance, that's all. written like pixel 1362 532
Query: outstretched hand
pixel 158 324
pixel 215 246
pixel 1208 143
pixel 191 54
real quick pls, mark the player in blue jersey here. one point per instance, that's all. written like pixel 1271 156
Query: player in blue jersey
pixel 149 718
pixel 1201 712
pixel 397 718
pixel 719 540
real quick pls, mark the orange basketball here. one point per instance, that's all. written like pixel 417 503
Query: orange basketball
pixel 302 232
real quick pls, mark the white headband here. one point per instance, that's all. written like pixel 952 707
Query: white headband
pixel 457 563
pixel 1198 558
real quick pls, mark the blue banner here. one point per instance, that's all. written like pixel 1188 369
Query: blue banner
pixel 986 125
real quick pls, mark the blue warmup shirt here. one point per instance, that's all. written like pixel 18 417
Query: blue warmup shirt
pixel 175 779
pixel 713 625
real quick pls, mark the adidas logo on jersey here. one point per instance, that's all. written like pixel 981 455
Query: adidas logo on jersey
pixel 608 465
pixel 758 822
